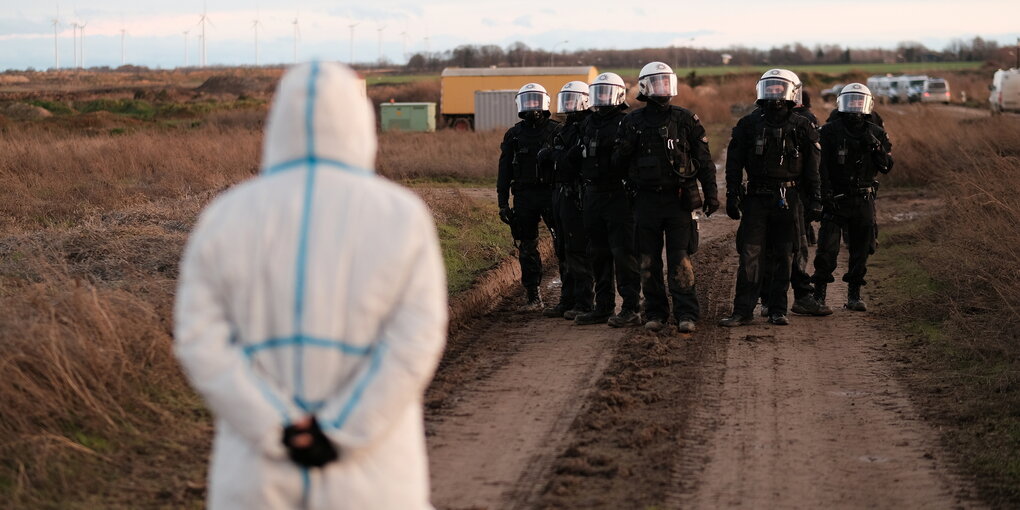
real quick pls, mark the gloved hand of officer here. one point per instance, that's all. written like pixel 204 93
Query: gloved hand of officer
pixel 506 214
pixel 814 211
pixel 732 206
pixel 307 445
pixel 711 205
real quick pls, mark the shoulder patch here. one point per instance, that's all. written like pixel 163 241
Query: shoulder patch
pixel 704 139
pixel 696 118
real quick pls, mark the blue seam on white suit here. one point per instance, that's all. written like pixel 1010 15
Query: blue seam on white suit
pixel 301 269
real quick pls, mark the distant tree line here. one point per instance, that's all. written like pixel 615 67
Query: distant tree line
pixel 519 54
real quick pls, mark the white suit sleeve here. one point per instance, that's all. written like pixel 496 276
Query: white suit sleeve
pixel 215 366
pixel 405 356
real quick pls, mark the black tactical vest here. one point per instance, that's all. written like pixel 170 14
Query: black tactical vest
pixel 662 156
pixel 598 139
pixel 774 151
pixel 526 143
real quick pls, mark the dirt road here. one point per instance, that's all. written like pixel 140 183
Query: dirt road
pixel 537 413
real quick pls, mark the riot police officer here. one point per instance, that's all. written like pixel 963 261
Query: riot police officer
pixel 665 149
pixel 854 151
pixel 800 280
pixel 779 152
pixel 608 215
pixel 530 183
pixel 571 241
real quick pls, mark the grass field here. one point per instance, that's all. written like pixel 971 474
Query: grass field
pixel 833 69
pixel 95 207
pixel 951 283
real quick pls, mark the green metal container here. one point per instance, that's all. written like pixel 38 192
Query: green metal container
pixel 408 116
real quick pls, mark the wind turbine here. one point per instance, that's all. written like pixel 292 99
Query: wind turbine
pixel 403 37
pixel 202 20
pixel 56 46
pixel 380 30
pixel 123 32
pixel 350 61
pixel 74 28
pixel 83 45
pixel 255 26
pixel 297 36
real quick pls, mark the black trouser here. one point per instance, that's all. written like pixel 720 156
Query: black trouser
pixel 857 215
pixel 763 222
pixel 609 223
pixel 572 249
pixel 799 277
pixel 662 215
pixel 531 205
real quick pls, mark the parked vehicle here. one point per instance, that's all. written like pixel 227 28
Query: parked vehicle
pixel 879 86
pixel 936 90
pixel 915 87
pixel 830 93
pixel 1005 91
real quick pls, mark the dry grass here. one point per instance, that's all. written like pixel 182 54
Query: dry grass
pixel 956 288
pixel 94 212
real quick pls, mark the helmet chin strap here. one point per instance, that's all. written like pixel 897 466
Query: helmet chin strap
pixel 659 100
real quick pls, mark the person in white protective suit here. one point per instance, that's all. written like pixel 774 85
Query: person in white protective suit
pixel 312 312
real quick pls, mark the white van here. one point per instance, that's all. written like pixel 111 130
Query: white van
pixel 879 87
pixel 936 90
pixel 1005 87
pixel 899 89
pixel 915 87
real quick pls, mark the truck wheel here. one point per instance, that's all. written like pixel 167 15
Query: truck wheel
pixel 462 125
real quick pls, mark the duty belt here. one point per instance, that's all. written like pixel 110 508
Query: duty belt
pixel 768 188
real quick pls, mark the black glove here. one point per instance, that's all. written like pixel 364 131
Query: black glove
pixel 711 205
pixel 814 211
pixel 732 206
pixel 318 453
pixel 506 215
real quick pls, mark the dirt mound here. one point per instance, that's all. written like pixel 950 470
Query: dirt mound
pixel 22 111
pixel 237 85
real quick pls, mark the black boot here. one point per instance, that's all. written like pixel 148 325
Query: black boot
pixel 534 303
pixel 557 311
pixel 853 299
pixel 819 297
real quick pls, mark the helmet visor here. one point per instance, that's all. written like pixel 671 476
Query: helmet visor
pixel 532 101
pixel 569 102
pixel 606 94
pixel 775 88
pixel 855 103
pixel 660 85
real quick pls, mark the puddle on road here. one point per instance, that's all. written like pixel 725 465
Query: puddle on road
pixel 759 338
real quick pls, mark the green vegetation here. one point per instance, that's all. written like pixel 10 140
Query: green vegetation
pixel 877 68
pixel 472 238
pixel 959 382
pixel 397 79
pixel 54 107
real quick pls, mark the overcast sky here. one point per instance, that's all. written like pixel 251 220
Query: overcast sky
pixel 155 29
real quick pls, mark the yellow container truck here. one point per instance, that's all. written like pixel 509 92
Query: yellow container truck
pixel 459 84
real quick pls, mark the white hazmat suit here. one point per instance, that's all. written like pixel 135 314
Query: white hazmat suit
pixel 315 289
